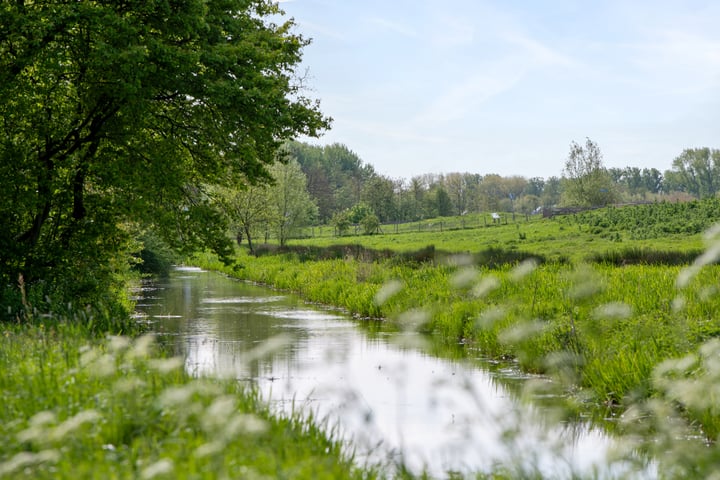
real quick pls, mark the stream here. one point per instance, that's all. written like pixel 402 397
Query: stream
pixel 380 393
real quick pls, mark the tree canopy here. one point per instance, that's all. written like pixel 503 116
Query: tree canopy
pixel 117 114
pixel 588 182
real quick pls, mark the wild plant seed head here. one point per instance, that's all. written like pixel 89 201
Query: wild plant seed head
pixel 678 304
pixel 712 233
pixel 142 347
pixel 38 428
pixel 73 423
pixel 523 269
pixel 265 349
pixel 521 331
pixel 413 320
pixel 464 277
pixel 613 311
pixel 166 365
pixel 209 449
pixel 117 344
pixel 218 413
pixel 489 317
pixel 128 385
pixel 387 291
pixel 24 460
pixel 252 424
pixel 162 467
pixel 176 396
pixel 486 285
pixel 461 260
pixel 104 366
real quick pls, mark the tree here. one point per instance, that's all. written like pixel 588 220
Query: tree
pixel 117 114
pixel 443 204
pixel 250 208
pixel 379 194
pixel 291 202
pixel 697 172
pixel 552 191
pixel 587 181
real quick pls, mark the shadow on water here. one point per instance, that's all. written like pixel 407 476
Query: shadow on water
pixel 396 404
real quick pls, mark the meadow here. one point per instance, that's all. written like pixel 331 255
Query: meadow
pixel 604 303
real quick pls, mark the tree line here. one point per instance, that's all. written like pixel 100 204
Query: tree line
pixel 345 190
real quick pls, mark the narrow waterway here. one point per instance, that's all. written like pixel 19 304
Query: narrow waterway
pixel 389 400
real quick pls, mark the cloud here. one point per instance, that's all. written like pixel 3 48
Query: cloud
pixel 467 95
pixel 395 27
pixel 452 32
pixel 538 52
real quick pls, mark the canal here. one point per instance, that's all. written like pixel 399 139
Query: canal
pixel 381 393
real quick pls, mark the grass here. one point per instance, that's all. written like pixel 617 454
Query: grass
pixel 573 238
pixel 116 409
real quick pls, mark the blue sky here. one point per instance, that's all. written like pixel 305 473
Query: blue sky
pixel 503 87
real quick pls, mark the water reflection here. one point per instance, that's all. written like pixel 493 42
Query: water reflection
pixel 395 403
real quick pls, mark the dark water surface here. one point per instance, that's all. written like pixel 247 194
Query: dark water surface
pixel 393 401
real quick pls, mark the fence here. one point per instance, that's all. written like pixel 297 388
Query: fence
pixel 434 225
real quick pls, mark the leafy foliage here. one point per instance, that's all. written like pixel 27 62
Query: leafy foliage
pixel 587 181
pixel 654 220
pixel 116 114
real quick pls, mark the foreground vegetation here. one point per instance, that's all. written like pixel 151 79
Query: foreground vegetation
pixel 114 408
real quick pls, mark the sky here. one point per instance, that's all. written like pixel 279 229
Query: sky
pixel 504 87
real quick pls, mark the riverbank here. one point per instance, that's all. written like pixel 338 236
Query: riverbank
pixel 605 335
pixel 78 407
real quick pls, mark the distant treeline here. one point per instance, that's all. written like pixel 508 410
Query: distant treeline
pixel 338 180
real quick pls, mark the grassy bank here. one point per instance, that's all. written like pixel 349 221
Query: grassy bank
pixel 75 408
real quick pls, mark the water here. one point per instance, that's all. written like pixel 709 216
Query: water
pixel 394 402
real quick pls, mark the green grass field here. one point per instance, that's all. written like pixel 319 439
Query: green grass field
pixel 571 237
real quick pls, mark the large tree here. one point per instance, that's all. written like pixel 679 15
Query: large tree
pixel 587 181
pixel 118 113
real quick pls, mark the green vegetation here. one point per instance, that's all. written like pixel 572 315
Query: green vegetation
pixel 116 409
pixel 135 133
pixel 118 117
pixel 608 332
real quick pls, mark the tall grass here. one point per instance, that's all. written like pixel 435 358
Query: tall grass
pixel 116 409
